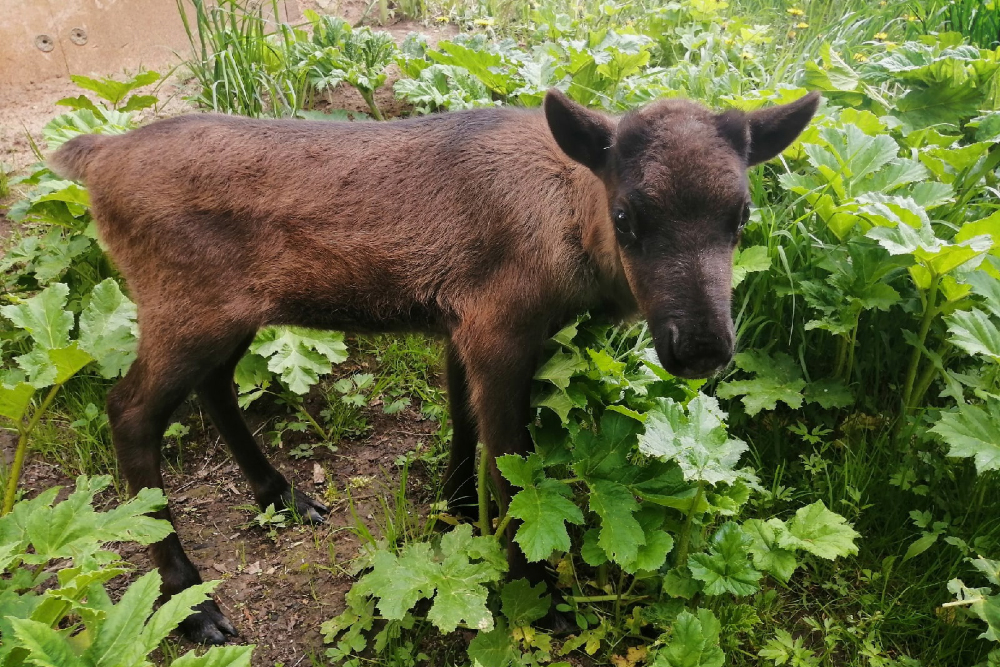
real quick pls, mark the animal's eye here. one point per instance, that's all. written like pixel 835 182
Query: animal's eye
pixel 744 217
pixel 623 226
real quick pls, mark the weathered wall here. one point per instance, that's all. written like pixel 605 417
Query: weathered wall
pixel 92 37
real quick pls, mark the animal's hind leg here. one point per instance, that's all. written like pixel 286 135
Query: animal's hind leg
pixel 218 394
pixel 139 407
pixel 460 479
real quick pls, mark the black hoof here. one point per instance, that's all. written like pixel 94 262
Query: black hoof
pixel 207 625
pixel 557 623
pixel 464 508
pixel 307 509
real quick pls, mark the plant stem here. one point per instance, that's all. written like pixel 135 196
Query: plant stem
pixel 502 526
pixel 926 378
pixel 369 97
pixel 483 492
pixel 685 540
pixel 618 599
pixel 930 310
pixel 605 598
pixel 850 352
pixel 312 422
pixel 22 449
pixel 838 366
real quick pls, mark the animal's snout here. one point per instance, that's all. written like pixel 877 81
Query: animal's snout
pixel 697 350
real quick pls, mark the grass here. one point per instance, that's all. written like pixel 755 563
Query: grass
pixel 242 58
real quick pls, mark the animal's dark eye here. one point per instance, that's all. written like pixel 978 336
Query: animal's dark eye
pixel 745 217
pixel 623 226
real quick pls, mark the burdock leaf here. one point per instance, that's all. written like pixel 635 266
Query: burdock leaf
pixel 972 432
pixel 777 378
pixel 819 531
pixel 108 329
pixel 43 316
pixel 523 604
pixel 693 643
pixel 697 440
pixel 544 510
pixel 727 566
pixel 621 535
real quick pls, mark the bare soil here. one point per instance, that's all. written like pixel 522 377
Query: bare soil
pixel 276 587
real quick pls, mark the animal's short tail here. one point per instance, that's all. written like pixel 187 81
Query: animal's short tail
pixel 75 156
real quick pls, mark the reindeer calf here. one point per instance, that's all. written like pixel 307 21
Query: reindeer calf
pixel 492 227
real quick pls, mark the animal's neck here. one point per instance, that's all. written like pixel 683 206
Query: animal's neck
pixel 597 239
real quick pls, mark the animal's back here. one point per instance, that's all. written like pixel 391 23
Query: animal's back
pixel 301 213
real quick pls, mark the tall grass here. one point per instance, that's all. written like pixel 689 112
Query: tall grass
pixel 243 59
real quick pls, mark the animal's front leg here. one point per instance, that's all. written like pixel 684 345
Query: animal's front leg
pixel 499 365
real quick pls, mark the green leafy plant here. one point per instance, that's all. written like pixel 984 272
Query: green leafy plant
pixel 67 618
pixel 106 335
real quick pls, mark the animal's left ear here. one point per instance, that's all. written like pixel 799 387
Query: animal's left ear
pixel 772 130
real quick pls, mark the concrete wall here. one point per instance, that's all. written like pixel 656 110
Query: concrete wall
pixel 92 37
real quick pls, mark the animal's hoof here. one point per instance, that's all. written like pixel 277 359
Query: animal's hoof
pixel 309 510
pixel 557 623
pixel 207 625
pixel 464 508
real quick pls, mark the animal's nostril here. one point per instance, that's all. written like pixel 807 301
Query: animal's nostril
pixel 674 334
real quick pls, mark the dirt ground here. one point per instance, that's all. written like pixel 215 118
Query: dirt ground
pixel 277 589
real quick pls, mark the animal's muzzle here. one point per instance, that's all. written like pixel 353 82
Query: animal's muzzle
pixel 694 351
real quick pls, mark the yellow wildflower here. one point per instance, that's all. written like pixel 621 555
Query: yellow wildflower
pixel 486 22
pixel 791 34
pixel 880 36
pixel 860 57
pixel 795 11
pixel 442 19
pixel 911 18
pixel 802 26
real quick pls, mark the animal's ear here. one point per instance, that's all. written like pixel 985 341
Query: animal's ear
pixel 582 134
pixel 772 130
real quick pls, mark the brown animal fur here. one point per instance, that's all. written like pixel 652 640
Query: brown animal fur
pixel 490 227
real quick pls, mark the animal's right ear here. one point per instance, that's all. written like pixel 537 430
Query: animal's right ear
pixel 582 134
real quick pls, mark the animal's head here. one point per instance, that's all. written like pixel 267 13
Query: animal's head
pixel 675 175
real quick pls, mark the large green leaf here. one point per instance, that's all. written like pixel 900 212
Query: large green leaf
pixel 453 576
pixel 621 535
pixel 767 555
pixel 726 567
pixel 299 356
pixel 108 329
pixel 974 332
pixel 696 439
pixel 14 401
pixel 694 642
pixel 46 647
pixel 544 510
pixel 819 531
pixel 749 260
pixel 972 432
pixel 777 378
pixel 523 604
pixel 44 316
pixel 217 656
